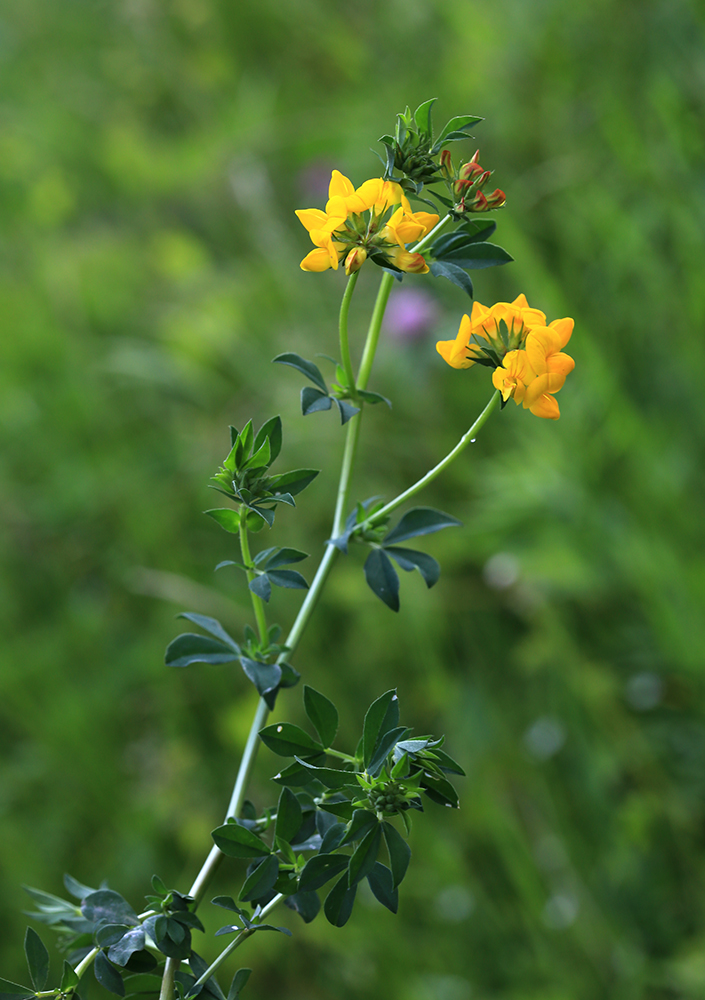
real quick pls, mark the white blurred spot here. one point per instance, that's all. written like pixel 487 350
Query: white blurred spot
pixel 644 691
pixel 544 738
pixel 501 571
pixel 454 904
pixel 560 911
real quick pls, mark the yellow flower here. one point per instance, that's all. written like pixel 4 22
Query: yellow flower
pixel 353 227
pixel 526 354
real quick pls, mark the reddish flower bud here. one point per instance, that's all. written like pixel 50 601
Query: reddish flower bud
pixel 479 203
pixel 470 170
pixel 355 259
pixel 483 178
pixel 446 164
pixel 496 199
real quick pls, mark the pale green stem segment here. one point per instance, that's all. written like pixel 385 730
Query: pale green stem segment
pixel 343 331
pixel 465 440
pixel 171 967
pixel 257 602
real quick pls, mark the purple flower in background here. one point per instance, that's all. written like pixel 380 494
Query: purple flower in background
pixel 410 315
pixel 314 179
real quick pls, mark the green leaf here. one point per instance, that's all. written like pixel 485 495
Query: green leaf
pixel 478 255
pixel 364 856
pixel 289 816
pixel 306 904
pixel 227 903
pixel 420 521
pixel 444 269
pixel 382 578
pixel 455 127
pixel 410 559
pixel 383 747
pixel 238 842
pixel 295 481
pixel 37 959
pixel 360 825
pixel 109 907
pixel 289 740
pixel 211 625
pixel 243 445
pixel 321 869
pixel 339 902
pixel 142 983
pixel 238 983
pixel 69 979
pixel 264 676
pixel 261 459
pixel 422 117
pixel 284 557
pixel 373 397
pixel 322 714
pixel 13 991
pixel 313 400
pixel 347 410
pixel 271 431
pixel 399 852
pixel 288 578
pixel 191 648
pixel 297 775
pixel 262 879
pixel 108 934
pixel 123 949
pixel 108 976
pixel 261 586
pixel 329 776
pixel 226 518
pixel 264 513
pixel 332 837
pixel 446 763
pixel 440 791
pixel 380 718
pixel 76 888
pixel 307 368
pixel 382 885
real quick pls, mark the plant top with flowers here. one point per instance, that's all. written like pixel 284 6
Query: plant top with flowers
pixel 342 815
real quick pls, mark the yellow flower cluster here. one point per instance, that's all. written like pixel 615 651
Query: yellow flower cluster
pixel 356 225
pixel 526 353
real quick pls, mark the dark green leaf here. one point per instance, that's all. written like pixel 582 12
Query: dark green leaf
pixel 108 976
pixel 410 559
pixel 373 397
pixel 307 368
pixel 288 578
pixel 130 942
pixel 446 763
pixel 342 809
pixel 211 625
pixel 347 410
pixel 399 852
pixel 297 775
pixel 473 231
pixel 381 717
pixel 332 838
pixel 260 459
pixel 238 983
pixel 13 991
pixel 295 481
pixel 198 967
pixel 306 904
pixel 329 776
pixel 76 888
pixel 264 676
pixel 364 856
pixel 454 273
pixel 264 513
pixel 237 842
pixel 460 124
pixel 289 816
pixel 261 586
pixel 290 676
pixel 360 825
pixel 109 907
pixel 260 882
pixel 422 116
pixel 420 521
pixel 142 983
pixel 284 557
pixel 227 903
pixel 191 648
pixel 382 578
pixel 440 791
pixel 478 255
pixel 270 430
pixel 108 934
pixel 383 747
pixel 69 979
pixel 323 715
pixel 314 401
pixel 289 740
pixel 321 869
pixel 382 885
pixel 339 902
pixel 282 498
pixel 226 518
pixel 37 959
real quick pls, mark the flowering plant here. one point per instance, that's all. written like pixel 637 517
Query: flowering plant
pixel 342 815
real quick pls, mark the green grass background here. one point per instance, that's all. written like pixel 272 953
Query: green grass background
pixel 151 155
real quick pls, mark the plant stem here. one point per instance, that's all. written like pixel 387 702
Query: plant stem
pixel 171 967
pixel 437 469
pixel 343 331
pixel 257 602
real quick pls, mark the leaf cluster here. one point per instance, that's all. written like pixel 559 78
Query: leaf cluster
pixel 318 397
pixel 331 822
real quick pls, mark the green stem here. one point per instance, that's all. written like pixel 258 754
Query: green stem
pixel 368 354
pixel 257 602
pixel 171 967
pixel 343 331
pixel 436 470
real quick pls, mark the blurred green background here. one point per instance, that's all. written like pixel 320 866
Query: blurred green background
pixel 151 155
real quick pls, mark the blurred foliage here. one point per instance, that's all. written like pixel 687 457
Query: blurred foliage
pixel 151 155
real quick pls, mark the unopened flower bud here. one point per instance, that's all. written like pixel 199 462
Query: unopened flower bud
pixel 412 263
pixel 446 164
pixel 479 203
pixel 483 178
pixel 470 170
pixel 355 259
pixel 496 199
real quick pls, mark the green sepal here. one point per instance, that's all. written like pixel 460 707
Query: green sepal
pixel 454 273
pixel 339 902
pixel 398 850
pixel 364 856
pixel 382 578
pixel 321 869
pixel 410 559
pixel 288 740
pixel 289 816
pixel 261 880
pixel 420 521
pixel 381 883
pixel 107 975
pixel 237 842
pixel 322 714
pixel 37 959
pixel 307 368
